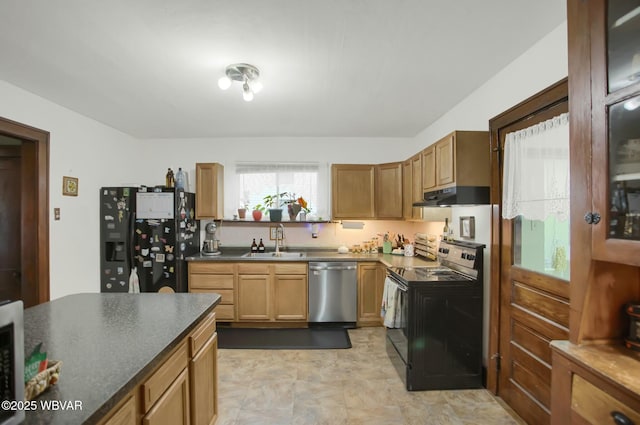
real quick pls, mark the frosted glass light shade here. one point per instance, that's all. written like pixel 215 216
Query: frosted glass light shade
pixel 224 83
pixel 247 95
pixel 256 86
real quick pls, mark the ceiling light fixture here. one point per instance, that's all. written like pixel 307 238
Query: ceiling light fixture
pixel 247 74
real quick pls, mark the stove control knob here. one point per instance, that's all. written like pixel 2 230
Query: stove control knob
pixel 471 257
pixel 463 255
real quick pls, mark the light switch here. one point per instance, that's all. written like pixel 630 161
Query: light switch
pixel 56 214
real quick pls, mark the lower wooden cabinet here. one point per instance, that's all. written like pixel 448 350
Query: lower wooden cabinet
pixel 204 391
pixel 219 278
pixel 594 384
pixel 182 390
pixel 370 288
pixel 125 414
pixel 173 406
pixel 271 292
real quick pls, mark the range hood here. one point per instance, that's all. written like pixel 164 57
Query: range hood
pixel 457 195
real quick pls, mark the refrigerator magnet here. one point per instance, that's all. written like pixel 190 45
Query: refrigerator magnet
pixel 120 270
pixel 171 269
pixel 138 231
pixel 169 257
pixel 183 225
pixel 159 258
pixel 155 248
pixel 108 218
pixel 145 252
pixel 168 248
pixel 147 263
pixel 121 283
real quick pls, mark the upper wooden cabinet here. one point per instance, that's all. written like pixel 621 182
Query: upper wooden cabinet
pixel 388 185
pixel 209 191
pixel 461 158
pixel 412 187
pixel 352 191
pixel 615 133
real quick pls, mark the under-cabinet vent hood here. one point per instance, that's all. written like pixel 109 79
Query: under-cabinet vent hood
pixel 457 195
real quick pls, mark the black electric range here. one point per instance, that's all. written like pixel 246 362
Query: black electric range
pixel 435 341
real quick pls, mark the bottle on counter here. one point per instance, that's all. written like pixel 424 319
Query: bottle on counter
pixel 170 181
pixel 254 246
pixel 180 179
pixel 260 246
pixel 445 230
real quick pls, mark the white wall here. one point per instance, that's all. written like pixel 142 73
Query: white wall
pixel 83 148
pixel 543 64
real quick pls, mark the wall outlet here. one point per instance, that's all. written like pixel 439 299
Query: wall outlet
pixel 273 231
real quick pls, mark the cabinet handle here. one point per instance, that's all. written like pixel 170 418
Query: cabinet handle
pixel 592 218
pixel 620 418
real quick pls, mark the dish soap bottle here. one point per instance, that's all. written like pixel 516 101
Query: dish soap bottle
pixel 254 246
pixel 260 246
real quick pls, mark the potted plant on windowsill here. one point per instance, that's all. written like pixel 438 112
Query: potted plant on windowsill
pixel 242 211
pixel 272 203
pixel 257 212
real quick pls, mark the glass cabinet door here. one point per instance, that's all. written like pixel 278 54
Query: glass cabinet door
pixel 615 91
pixel 624 169
pixel 623 46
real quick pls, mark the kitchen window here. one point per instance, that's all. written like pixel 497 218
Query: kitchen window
pixel 309 180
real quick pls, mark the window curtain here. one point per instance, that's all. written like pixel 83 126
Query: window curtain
pixel 536 171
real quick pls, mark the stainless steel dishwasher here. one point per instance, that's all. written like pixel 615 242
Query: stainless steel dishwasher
pixel 333 293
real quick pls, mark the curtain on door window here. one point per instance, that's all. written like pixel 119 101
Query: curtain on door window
pixel 536 171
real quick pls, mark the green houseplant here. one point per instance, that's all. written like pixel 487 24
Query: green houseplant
pixel 273 204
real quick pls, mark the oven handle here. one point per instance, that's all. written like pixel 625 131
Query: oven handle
pixel 401 286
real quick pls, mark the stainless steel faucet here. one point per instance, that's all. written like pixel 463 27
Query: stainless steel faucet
pixel 278 239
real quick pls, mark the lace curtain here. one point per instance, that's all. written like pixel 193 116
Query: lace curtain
pixel 536 171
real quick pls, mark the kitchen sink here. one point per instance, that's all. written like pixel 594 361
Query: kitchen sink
pixel 281 254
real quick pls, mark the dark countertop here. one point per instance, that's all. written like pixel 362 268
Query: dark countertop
pixel 389 260
pixel 107 343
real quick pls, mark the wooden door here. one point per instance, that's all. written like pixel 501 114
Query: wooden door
pixel 173 407
pixel 429 168
pixel 407 190
pixel 290 299
pixel 254 297
pixel 209 191
pixel 417 192
pixel 528 309
pixel 445 160
pixel 353 191
pixel 370 287
pixel 388 187
pixel 10 224
pixel 203 378
pixel 34 214
pixel 125 415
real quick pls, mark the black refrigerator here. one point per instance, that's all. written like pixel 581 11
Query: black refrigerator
pixel 146 232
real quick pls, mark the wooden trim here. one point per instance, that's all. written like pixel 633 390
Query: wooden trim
pixel 35 207
pixel 520 113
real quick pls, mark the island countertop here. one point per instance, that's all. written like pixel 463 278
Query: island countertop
pixel 108 343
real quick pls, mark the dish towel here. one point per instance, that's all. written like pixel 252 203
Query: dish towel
pixel 389 304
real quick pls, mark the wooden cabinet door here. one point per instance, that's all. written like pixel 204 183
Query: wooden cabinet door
pixel 417 192
pixel 388 186
pixel 173 407
pixel 407 190
pixel 125 415
pixel 445 160
pixel 352 191
pixel 429 168
pixel 253 297
pixel 370 287
pixel 203 377
pixel 290 297
pixel 209 191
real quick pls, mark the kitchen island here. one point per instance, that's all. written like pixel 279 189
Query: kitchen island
pixel 110 345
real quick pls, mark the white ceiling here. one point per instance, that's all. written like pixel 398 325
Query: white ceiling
pixel 364 68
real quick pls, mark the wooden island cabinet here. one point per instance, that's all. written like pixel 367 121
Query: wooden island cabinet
pixel 595 377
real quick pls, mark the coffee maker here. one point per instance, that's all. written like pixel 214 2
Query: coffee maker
pixel 210 244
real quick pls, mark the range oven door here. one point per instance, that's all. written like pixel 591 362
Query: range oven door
pixel 398 336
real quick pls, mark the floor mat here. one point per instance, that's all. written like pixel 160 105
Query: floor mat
pixel 283 339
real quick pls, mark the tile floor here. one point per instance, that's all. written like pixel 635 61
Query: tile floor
pixel 352 386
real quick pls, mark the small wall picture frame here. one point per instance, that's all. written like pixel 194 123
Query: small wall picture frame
pixel 468 227
pixel 69 186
